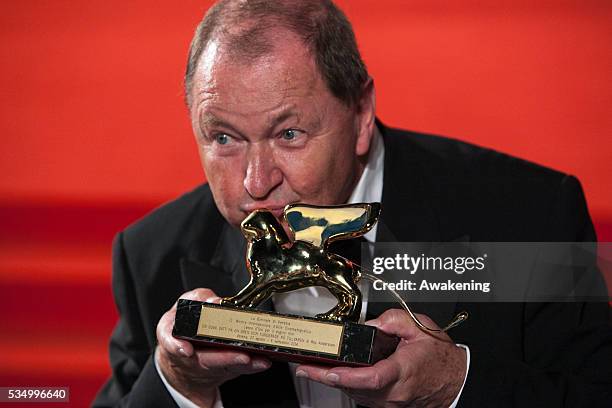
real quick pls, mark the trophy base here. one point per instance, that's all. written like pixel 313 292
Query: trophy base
pixel 281 337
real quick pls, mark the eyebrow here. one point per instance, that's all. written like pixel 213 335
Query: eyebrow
pixel 213 121
pixel 210 120
pixel 291 111
pixel 285 114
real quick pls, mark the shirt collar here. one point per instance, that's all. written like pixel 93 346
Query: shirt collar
pixel 370 185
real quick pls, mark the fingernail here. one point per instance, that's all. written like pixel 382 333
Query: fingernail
pixel 260 365
pixel 332 378
pixel 241 360
pixel 374 323
pixel 214 299
pixel 301 374
pixel 183 352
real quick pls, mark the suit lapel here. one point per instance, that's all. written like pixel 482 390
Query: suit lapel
pixel 216 260
pixel 219 265
pixel 197 274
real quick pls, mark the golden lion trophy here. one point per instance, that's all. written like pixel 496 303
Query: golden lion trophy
pixel 278 264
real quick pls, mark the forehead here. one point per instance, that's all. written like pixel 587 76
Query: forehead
pixel 226 79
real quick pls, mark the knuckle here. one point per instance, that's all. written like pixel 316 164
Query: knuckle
pixel 393 316
pixel 198 294
pixel 159 331
pixel 165 345
pixel 203 363
pixel 163 326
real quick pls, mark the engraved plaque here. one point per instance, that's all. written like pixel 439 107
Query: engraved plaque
pixel 271 329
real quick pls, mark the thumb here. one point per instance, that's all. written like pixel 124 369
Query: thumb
pixel 396 322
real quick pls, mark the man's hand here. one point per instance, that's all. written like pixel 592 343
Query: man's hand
pixel 424 371
pixel 196 373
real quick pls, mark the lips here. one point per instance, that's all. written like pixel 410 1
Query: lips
pixel 275 208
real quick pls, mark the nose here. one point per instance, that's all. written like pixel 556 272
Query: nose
pixel 262 174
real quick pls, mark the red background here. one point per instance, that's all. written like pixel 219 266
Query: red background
pixel 94 134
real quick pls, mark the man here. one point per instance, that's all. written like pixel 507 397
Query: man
pixel 283 111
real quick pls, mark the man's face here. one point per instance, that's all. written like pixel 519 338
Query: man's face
pixel 270 133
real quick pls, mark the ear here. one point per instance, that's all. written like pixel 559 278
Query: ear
pixel 366 115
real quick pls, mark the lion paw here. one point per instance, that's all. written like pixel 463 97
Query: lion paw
pixel 331 316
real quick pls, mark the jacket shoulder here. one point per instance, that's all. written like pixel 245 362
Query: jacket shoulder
pixel 174 224
pixel 455 157
pixel 493 195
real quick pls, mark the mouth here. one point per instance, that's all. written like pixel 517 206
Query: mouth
pixel 276 210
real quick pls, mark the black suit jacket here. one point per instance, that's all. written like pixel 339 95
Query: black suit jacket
pixel 435 190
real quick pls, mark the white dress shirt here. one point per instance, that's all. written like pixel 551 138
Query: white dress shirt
pixel 313 300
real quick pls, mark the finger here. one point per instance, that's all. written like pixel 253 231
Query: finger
pixel 214 358
pixel 233 361
pixel 168 343
pixel 376 377
pixel 202 294
pixel 199 294
pixel 399 323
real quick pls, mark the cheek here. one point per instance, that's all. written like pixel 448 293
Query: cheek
pixel 224 177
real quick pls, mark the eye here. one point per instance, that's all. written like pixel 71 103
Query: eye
pixel 222 138
pixel 291 134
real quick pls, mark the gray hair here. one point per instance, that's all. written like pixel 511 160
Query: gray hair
pixel 320 24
